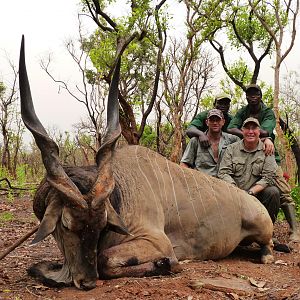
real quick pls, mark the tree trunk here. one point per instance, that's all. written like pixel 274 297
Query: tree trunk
pixel 289 166
pixel 294 146
pixel 177 137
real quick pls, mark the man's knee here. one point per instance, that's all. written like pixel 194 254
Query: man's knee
pixel 271 193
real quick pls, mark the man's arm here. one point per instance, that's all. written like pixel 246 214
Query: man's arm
pixel 225 169
pixel 263 133
pixel 269 147
pixel 268 172
pixel 185 165
pixel 193 131
pixel 235 125
pixel 190 153
pixel 235 131
pixel 267 175
pixel 268 122
pixel 256 188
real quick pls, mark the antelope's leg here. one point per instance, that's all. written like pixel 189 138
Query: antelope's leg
pixel 267 253
pixel 138 258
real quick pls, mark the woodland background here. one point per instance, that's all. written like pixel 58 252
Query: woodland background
pixel 166 79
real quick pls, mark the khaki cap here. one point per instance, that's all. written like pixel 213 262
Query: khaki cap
pixel 251 120
pixel 215 112
pixel 222 96
pixel 253 86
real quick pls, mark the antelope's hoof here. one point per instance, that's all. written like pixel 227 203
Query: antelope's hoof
pixel 267 259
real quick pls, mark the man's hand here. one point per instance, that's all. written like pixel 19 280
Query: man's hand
pixel 204 142
pixel 269 148
pixel 182 164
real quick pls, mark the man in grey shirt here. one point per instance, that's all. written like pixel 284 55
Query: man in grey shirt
pixel 245 165
pixel 206 159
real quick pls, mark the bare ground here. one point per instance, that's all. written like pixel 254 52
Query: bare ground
pixel 239 276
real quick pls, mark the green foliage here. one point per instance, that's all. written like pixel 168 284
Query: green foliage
pixel 295 193
pixel 4 172
pixel 6 217
pixel 207 101
pixel 240 71
pixel 247 27
pixel 2 89
pixel 148 138
pixel 21 175
pixel 139 58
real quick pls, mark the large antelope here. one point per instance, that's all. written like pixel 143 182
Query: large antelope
pixel 134 213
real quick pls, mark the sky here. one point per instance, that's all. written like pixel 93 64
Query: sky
pixel 46 26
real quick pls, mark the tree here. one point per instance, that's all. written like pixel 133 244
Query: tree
pixel 285 14
pixel 91 92
pixel 259 26
pixel 11 127
pixel 139 36
pixel 237 21
pixel 185 76
pixel 290 112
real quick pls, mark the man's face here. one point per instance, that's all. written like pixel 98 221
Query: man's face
pixel 251 132
pixel 253 96
pixel 223 105
pixel 215 124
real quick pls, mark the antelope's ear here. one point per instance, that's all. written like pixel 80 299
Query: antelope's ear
pixel 49 221
pixel 114 221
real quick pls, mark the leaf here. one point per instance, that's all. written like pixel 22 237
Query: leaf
pixel 280 262
pixel 263 289
pixel 233 296
pixel 259 284
pixel 40 287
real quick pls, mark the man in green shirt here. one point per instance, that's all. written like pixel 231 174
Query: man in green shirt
pixel 266 117
pixel 246 165
pixel 198 125
pixel 206 159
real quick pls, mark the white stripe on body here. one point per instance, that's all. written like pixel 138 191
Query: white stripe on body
pixel 222 245
pixel 175 198
pixel 163 192
pixel 190 197
pixel 201 199
pixel 145 176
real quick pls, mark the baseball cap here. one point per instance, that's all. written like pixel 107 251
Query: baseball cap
pixel 222 96
pixel 253 86
pixel 215 112
pixel 251 120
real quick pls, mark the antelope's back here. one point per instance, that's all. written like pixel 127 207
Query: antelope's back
pixel 201 215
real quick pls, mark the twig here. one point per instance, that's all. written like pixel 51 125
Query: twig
pixel 19 242
pixel 13 187
pixel 31 292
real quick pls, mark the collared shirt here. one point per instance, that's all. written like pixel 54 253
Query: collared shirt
pixel 199 121
pixel 245 168
pixel 203 159
pixel 266 118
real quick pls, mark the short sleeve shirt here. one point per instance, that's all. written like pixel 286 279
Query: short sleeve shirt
pixel 246 168
pixel 199 121
pixel 266 118
pixel 202 159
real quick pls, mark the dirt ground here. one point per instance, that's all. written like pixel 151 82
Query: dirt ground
pixel 239 276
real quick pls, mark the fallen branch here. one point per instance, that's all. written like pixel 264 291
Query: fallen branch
pixel 197 284
pixel 19 242
pixel 13 187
